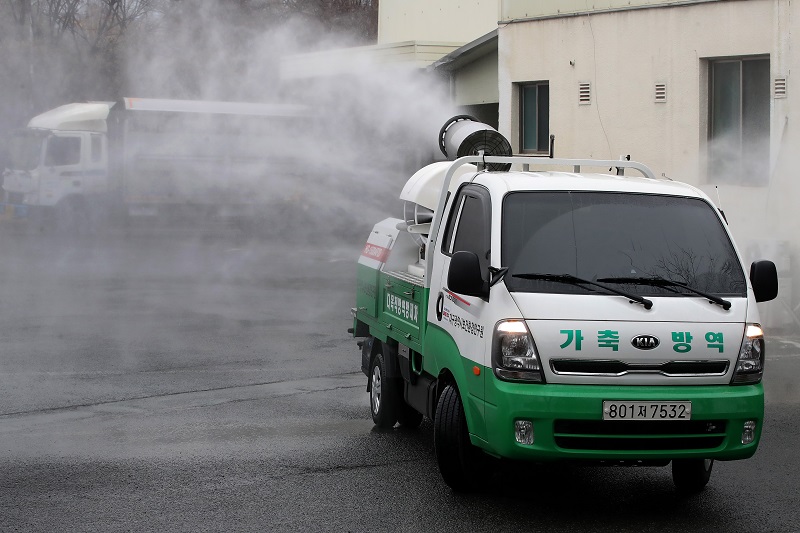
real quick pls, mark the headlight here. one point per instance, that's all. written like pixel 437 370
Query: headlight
pixel 514 354
pixel 750 365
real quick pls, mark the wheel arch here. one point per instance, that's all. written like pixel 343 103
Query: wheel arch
pixel 449 367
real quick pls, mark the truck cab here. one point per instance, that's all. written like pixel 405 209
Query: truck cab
pixel 58 159
pixel 564 316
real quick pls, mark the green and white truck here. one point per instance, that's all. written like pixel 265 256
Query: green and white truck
pixel 561 316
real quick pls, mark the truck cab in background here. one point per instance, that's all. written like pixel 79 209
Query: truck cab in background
pixel 58 161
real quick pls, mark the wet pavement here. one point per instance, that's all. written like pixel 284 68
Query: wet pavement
pixel 204 381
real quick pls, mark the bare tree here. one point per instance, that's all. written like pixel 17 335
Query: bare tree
pixel 357 19
pixel 54 51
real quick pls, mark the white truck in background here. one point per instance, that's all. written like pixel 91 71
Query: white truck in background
pixel 545 316
pixel 149 157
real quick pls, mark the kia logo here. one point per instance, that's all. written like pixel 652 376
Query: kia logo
pixel 645 342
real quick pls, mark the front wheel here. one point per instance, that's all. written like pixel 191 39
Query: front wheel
pixel 460 463
pixel 383 394
pixel 691 475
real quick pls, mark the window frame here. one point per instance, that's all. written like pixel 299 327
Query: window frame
pixel 482 194
pixel 61 138
pixel 522 87
pixel 743 150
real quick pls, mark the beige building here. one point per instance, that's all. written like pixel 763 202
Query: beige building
pixel 698 90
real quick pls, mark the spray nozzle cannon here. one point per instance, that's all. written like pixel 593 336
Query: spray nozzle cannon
pixel 463 135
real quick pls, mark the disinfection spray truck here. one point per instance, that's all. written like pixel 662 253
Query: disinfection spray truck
pixel 549 315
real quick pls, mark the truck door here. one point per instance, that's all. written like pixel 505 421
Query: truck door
pixel 464 317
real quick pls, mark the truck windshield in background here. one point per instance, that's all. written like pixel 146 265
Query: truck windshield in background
pixel 25 149
pixel 617 236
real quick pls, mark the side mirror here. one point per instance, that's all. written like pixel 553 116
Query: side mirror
pixel 764 277
pixel 465 276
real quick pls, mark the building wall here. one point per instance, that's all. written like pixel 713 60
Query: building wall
pixel 476 83
pixel 623 54
pixel 458 21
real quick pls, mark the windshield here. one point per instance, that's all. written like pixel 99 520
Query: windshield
pixel 617 235
pixel 25 149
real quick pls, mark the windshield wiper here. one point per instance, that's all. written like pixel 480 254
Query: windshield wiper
pixel 574 280
pixel 663 282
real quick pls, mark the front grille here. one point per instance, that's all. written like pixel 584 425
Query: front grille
pixel 583 367
pixel 630 435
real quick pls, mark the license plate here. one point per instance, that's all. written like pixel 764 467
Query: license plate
pixel 647 410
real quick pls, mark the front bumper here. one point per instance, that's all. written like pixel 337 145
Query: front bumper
pixel 568 422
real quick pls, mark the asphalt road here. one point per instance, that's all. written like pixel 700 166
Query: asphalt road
pixel 204 381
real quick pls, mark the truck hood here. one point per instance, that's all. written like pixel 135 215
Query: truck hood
pixel 606 339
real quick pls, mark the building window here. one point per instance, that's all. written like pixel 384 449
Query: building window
pixel 535 117
pixel 738 144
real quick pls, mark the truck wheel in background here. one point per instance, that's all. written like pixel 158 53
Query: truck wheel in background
pixel 408 417
pixel 384 397
pixel 460 463
pixel 691 475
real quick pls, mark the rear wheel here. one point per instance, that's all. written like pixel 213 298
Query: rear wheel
pixel 460 463
pixel 383 394
pixel 691 475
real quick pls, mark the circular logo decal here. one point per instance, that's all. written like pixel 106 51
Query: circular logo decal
pixel 645 342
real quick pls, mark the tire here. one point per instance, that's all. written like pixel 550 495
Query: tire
pixel 691 475
pixel 408 417
pixel 460 463
pixel 384 399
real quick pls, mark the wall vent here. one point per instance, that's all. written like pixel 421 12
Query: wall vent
pixel 780 87
pixel 661 92
pixel 584 93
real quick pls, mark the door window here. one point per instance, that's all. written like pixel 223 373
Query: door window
pixel 62 151
pixel 470 218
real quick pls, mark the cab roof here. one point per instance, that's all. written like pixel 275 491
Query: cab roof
pixel 514 181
